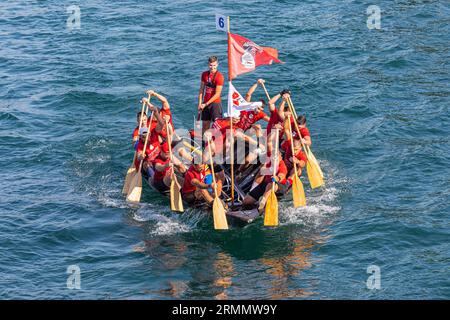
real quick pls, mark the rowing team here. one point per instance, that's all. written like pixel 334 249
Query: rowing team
pixel 155 135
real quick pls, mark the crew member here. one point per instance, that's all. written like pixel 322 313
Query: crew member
pixel 209 102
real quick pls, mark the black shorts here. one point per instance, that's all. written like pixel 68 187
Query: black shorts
pixel 160 186
pixel 212 112
pixel 258 191
pixel 189 197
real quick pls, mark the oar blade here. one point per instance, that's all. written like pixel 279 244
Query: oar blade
pixel 313 159
pixel 271 212
pixel 135 191
pixel 176 202
pixel 298 193
pixel 220 218
pixel 130 174
pixel 315 179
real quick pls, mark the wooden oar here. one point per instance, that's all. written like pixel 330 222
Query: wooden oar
pixel 271 212
pixel 220 218
pixel 315 179
pixel 135 191
pixel 313 159
pixel 267 93
pixel 298 192
pixel 193 149
pixel 132 169
pixel 176 203
pixel 309 154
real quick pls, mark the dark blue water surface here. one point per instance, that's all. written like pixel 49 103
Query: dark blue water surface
pixel 377 102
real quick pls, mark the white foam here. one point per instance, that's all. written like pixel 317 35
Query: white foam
pixel 165 225
pixel 320 204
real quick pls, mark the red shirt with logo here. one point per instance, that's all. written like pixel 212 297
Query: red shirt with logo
pixel 247 118
pixel 211 82
pixel 189 176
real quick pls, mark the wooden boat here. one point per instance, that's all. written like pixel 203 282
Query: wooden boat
pixel 236 214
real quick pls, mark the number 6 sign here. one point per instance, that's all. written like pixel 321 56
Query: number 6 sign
pixel 221 22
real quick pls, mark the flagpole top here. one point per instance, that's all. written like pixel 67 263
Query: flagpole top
pixel 228 18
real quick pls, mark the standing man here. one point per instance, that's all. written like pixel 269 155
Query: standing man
pixel 209 102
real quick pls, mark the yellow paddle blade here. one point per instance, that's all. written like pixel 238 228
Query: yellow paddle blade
pixel 298 193
pixel 315 179
pixel 313 159
pixel 176 203
pixel 130 174
pixel 134 194
pixel 220 218
pixel 271 214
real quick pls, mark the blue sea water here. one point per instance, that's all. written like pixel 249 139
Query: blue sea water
pixel 377 103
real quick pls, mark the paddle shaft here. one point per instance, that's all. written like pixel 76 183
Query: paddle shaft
pixel 292 146
pixel 275 159
pixel 169 142
pixel 212 167
pixel 145 145
pixel 267 93
pixel 291 107
pixel 140 125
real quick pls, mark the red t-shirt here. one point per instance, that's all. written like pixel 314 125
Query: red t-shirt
pixel 303 131
pixel 189 176
pixel 282 169
pixel 274 119
pixel 153 139
pixel 166 112
pixel 150 154
pixel 288 155
pixel 211 81
pixel 247 118
pixel 159 175
pixel 221 125
pixel 136 133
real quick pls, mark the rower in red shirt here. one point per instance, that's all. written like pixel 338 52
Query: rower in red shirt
pixel 219 134
pixel 163 169
pixel 276 117
pixel 262 185
pixel 143 123
pixel 249 118
pixel 194 188
pixel 300 158
pixel 165 112
pixel 209 101
pixel 148 156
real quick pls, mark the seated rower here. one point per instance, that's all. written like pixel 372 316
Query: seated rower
pixel 249 118
pixel 262 185
pixel 165 109
pixel 157 126
pixel 219 134
pixel 143 123
pixel 194 189
pixel 276 116
pixel 300 157
pixel 163 169
pixel 148 156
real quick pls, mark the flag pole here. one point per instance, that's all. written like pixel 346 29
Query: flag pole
pixel 231 118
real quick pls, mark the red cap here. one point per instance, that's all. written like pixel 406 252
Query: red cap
pixel 165 147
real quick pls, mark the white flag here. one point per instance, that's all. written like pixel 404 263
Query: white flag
pixel 221 22
pixel 236 103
